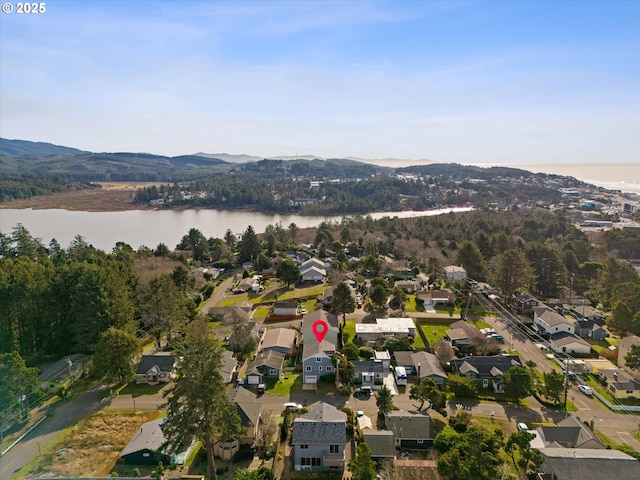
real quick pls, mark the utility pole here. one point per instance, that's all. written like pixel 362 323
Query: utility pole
pixel 566 386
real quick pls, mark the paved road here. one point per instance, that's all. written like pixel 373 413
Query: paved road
pixel 61 416
pixel 617 426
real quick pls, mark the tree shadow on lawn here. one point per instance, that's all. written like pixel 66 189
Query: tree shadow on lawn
pixel 140 389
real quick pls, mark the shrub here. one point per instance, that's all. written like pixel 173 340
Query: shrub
pixel 366 352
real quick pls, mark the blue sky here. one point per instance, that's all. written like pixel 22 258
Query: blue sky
pixel 456 81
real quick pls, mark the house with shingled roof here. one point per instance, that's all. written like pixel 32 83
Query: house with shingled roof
pixel 486 370
pixel 319 439
pixel 155 369
pixel 411 430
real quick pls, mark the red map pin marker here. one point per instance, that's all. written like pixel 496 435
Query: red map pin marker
pixel 320 329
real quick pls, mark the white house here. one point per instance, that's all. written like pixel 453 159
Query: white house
pixel 548 321
pixel 568 343
pixel 386 327
pixel 454 272
pixel 313 274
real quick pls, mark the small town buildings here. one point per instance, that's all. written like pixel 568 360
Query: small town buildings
pixel 568 343
pixel 330 319
pixel 316 360
pixel 623 349
pixel 455 272
pixel 249 410
pixel 229 366
pixel 590 329
pixel 411 430
pixel 586 312
pixel 313 270
pixel 281 340
pixel 463 335
pixel 549 321
pixel 266 365
pixel 381 443
pixel 155 369
pixel 587 464
pixel 436 297
pixel 409 286
pixel 569 433
pixel 285 309
pixel 620 384
pixel 486 370
pixel 524 303
pixel 385 327
pixel 427 365
pixel 145 448
pixel 384 357
pixel 319 438
pixel 369 373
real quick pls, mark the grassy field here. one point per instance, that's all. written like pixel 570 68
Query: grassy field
pixel 291 381
pixel 282 293
pixel 88 448
pixel 433 330
pixel 349 331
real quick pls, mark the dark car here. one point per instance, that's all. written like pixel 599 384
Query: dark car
pixel 362 391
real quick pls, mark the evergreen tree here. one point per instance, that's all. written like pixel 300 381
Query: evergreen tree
pixel 114 354
pixel 362 467
pixel 342 301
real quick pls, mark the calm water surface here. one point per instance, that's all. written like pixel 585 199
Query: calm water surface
pixel 151 227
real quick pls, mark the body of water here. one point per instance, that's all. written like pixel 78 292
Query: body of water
pixel 151 227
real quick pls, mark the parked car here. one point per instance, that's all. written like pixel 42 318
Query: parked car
pixel 294 407
pixel 522 426
pixel 303 311
pixel 362 391
pixel 587 390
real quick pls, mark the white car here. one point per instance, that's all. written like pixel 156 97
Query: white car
pixel 303 311
pixel 522 426
pixel 294 407
pixel 586 389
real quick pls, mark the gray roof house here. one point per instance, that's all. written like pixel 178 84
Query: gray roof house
pixel 266 365
pixel 145 447
pixel 229 366
pixel 427 365
pixel 249 410
pixel 411 430
pixel 568 343
pixel 486 369
pixel 569 433
pixel 368 372
pixel 548 321
pixel 382 443
pixel 587 464
pixel 590 329
pixel 154 369
pixel 316 360
pixel 285 309
pixel 312 317
pixel 281 340
pixel 319 439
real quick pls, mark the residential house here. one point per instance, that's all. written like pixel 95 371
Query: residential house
pixel 410 286
pixel 319 438
pixel 385 327
pixel 313 270
pixel 623 349
pixel 381 443
pixel 568 343
pixel 587 464
pixel 568 433
pixel 463 335
pixel 285 309
pixel 427 365
pixel 586 312
pixel 404 359
pixel 590 329
pixel 330 319
pixel 146 447
pixel 316 360
pixel 229 366
pixel 266 365
pixel 385 358
pixel 411 430
pixel 524 303
pixel 486 370
pixel 249 410
pixel 368 373
pixel 620 384
pixel 281 340
pixel 549 321
pixel 455 272
pixel 436 297
pixel 363 423
pixel 155 369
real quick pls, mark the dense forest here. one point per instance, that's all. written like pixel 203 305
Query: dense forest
pixel 15 187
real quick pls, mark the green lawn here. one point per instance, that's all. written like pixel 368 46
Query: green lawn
pixel 349 331
pixel 291 381
pixel 433 330
pixel 479 324
pixel 261 312
pixel 412 305
pixel 137 390
pixel 282 293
